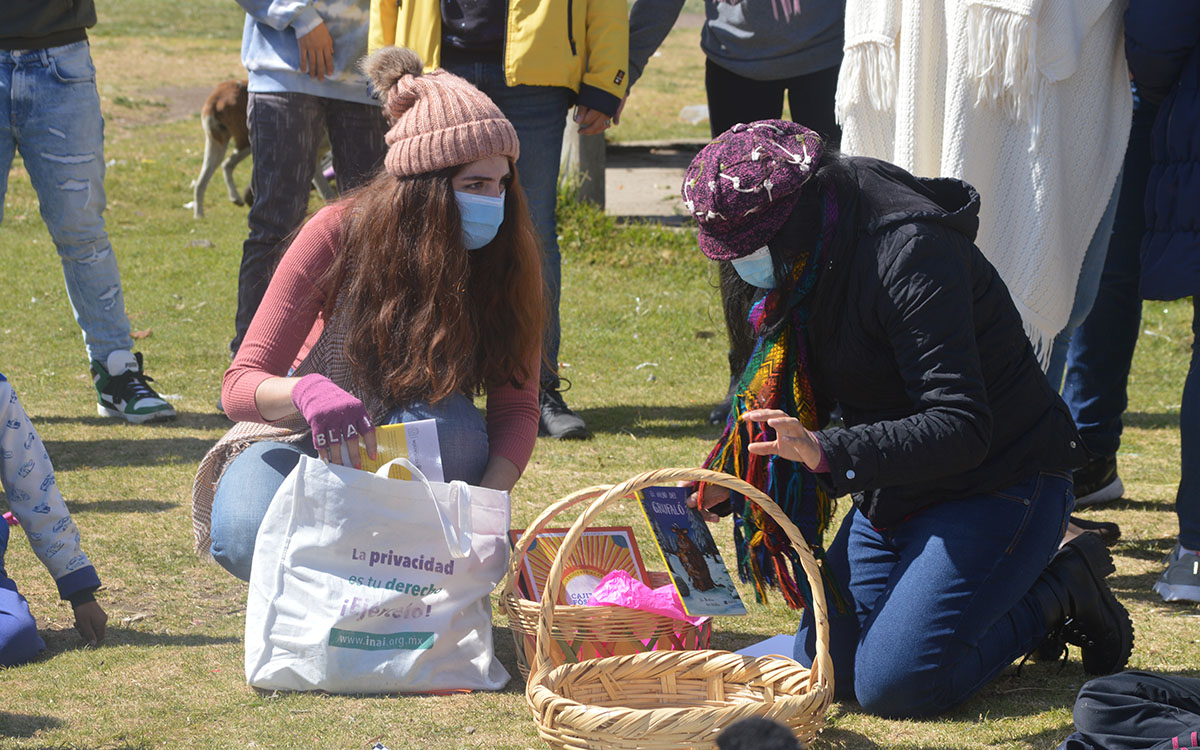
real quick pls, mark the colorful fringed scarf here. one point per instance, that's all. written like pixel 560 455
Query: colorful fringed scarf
pixel 778 377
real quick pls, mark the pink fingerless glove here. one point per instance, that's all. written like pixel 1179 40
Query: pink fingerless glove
pixel 332 413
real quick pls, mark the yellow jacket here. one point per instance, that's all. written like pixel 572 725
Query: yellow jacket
pixel 580 44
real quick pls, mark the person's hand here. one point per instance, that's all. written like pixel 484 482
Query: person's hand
pixel 335 416
pixel 90 620
pixel 591 121
pixel 714 494
pixel 620 109
pixel 316 52
pixel 792 441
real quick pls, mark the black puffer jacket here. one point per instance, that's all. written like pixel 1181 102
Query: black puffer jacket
pixel 916 338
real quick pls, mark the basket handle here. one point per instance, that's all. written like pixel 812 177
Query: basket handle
pixel 539 524
pixel 821 673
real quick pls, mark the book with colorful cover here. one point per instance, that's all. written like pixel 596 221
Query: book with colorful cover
pixel 690 553
pixel 600 551
pixel 416 441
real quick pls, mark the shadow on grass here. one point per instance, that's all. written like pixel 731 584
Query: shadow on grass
pixel 1151 420
pixel 75 454
pixel 186 420
pixel 121 506
pixel 25 725
pixel 652 421
pixel 61 640
pixel 1125 503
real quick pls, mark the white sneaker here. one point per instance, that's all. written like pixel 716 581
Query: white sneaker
pixel 122 390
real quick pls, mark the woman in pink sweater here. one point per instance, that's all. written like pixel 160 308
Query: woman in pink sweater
pixel 396 304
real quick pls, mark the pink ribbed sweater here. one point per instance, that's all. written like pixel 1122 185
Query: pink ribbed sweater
pixel 288 321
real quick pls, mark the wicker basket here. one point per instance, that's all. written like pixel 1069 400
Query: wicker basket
pixel 582 632
pixel 673 699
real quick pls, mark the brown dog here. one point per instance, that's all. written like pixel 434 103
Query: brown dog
pixel 223 119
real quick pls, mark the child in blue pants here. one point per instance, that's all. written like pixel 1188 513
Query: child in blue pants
pixel 33 496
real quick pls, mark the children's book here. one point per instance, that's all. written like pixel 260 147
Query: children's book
pixel 600 551
pixel 416 441
pixel 690 553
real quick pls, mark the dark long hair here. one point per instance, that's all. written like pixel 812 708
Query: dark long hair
pixel 802 230
pixel 428 318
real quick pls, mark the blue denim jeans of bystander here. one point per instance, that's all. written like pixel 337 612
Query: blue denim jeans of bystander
pixel 50 112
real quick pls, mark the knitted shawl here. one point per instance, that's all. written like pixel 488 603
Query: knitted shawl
pixel 1027 100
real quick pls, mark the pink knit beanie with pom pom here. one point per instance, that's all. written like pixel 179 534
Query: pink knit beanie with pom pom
pixel 438 120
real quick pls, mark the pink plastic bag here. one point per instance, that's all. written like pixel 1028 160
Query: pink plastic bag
pixel 619 589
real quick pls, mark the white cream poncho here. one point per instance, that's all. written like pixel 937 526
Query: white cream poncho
pixel 1027 100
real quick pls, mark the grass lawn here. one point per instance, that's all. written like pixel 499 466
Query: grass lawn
pixel 643 348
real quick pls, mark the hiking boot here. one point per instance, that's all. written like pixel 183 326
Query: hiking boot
pixel 122 391
pixel 558 421
pixel 1080 609
pixel 1180 582
pixel 1097 482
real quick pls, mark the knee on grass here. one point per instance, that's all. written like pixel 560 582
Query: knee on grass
pixel 19 639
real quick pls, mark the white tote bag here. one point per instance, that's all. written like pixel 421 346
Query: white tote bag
pixel 365 584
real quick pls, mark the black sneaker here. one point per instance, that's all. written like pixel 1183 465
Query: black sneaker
pixel 1097 482
pixel 122 391
pixel 558 421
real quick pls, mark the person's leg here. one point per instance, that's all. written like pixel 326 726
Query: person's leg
pixel 8 143
pixel 733 99
pixel 1181 580
pixel 954 593
pixel 861 561
pixel 1101 351
pixel 242 498
pixel 60 133
pixel 19 639
pixel 57 127
pixel 285 133
pixel 1138 711
pixel 462 435
pixel 810 99
pixel 1085 288
pixel 356 134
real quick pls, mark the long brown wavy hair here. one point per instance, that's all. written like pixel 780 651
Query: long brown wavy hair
pixel 426 317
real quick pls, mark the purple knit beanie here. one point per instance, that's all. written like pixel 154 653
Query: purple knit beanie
pixel 742 187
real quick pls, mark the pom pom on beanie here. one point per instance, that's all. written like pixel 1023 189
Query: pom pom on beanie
pixel 438 120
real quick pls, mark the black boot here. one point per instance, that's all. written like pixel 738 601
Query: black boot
pixel 1079 607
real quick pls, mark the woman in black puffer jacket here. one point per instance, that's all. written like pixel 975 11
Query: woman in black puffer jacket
pixel 954 448
pixel 1162 44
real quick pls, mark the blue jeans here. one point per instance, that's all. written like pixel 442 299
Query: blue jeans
pixel 50 111
pixel 19 639
pixel 1086 288
pixel 539 114
pixel 251 480
pixel 939 604
pixel 285 135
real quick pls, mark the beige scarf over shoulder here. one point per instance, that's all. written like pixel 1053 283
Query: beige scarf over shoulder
pixel 1027 100
pixel 326 357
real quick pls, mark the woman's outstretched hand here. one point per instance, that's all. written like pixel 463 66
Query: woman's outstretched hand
pixel 714 494
pixel 792 440
pixel 335 416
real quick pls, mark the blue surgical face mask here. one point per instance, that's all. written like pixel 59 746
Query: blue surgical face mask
pixel 756 269
pixel 482 216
